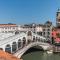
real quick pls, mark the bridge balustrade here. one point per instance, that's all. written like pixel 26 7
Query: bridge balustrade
pixel 21 44
pixel 32 41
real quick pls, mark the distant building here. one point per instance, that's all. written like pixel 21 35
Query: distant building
pixel 55 35
pixel 8 27
pixel 27 27
pixel 56 30
pixel 47 30
pixel 36 28
pixel 58 18
pixel 41 29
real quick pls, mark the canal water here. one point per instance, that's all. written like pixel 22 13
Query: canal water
pixel 36 54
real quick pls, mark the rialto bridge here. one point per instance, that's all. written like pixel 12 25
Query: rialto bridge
pixel 19 43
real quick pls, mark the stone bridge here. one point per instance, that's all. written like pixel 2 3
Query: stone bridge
pixel 19 43
pixel 44 46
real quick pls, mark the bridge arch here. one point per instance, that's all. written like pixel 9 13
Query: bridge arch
pixel 14 47
pixel 24 41
pixel 44 46
pixel 29 36
pixel 34 38
pixel 8 48
pixel 34 46
pixel 19 44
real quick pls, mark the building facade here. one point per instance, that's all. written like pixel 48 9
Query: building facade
pixel 56 30
pixel 47 30
pixel 8 28
pixel 40 29
pixel 58 18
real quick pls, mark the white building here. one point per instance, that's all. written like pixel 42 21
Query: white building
pixel 39 29
pixel 8 28
pixel 47 30
pixel 31 27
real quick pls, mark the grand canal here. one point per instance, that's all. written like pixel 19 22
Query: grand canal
pixel 36 54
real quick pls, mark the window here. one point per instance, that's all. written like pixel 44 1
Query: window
pixel 39 33
pixel 43 33
pixel 48 29
pixel 58 35
pixel 13 27
pixel 43 29
pixel 33 38
pixel 24 41
pixel 8 48
pixel 48 25
pixel 5 27
pixel 19 43
pixel 48 33
pixel 14 47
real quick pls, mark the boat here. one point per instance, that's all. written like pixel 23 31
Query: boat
pixel 50 51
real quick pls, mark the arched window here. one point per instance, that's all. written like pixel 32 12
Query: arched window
pixel 8 48
pixel 29 41
pixel 24 41
pixel 14 47
pixel 19 43
pixel 34 38
pixel 53 41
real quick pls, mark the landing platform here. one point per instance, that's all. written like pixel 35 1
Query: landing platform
pixel 56 49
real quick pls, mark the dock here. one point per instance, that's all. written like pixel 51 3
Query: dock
pixel 56 49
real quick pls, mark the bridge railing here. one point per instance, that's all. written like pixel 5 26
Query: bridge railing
pixel 19 53
pixel 29 42
pixel 36 40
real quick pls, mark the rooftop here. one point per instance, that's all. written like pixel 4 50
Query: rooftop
pixel 2 25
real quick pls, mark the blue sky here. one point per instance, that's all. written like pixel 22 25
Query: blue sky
pixel 28 11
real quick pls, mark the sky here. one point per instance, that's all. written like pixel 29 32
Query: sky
pixel 28 11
